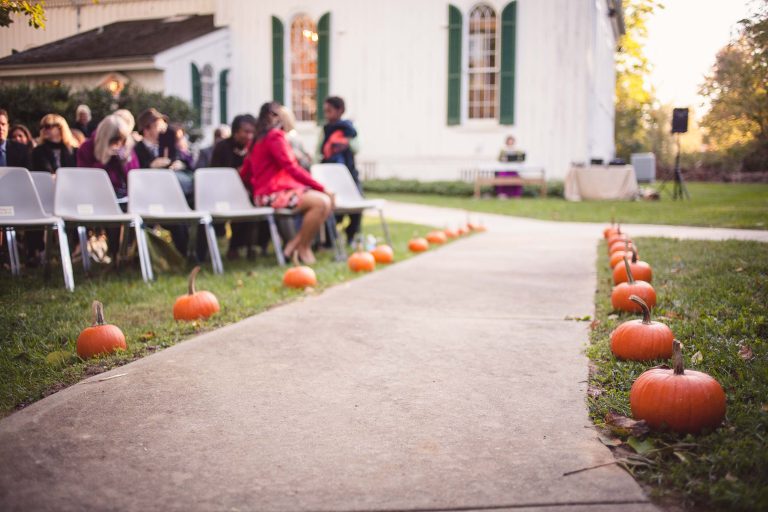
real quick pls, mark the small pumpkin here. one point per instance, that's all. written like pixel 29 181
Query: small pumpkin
pixel 618 235
pixel 622 291
pixel 361 261
pixel 101 337
pixel 299 276
pixel 684 401
pixel 451 233
pixel 610 230
pixel 621 245
pixel 641 270
pixel 195 305
pixel 462 230
pixel 642 340
pixel 383 254
pixel 436 237
pixel 418 244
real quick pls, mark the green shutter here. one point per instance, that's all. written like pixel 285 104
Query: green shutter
pixel 507 82
pixel 197 93
pixel 323 62
pixel 454 65
pixel 278 56
pixel 223 87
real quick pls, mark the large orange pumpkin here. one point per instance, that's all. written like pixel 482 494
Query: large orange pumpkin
pixel 640 270
pixel 642 340
pixel 684 401
pixel 383 254
pixel 299 276
pixel 101 337
pixel 621 293
pixel 436 237
pixel 195 305
pixel 418 244
pixel 361 261
pixel 619 256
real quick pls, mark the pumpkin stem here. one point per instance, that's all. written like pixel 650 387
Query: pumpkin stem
pixel 192 277
pixel 618 228
pixel 646 311
pixel 677 357
pixel 98 313
pixel 630 277
pixel 634 255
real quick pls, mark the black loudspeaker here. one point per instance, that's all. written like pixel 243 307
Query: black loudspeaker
pixel 679 120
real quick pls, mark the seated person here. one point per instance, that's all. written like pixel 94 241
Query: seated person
pixel 56 146
pixel 277 180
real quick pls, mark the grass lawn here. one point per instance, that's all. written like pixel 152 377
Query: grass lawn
pixel 711 204
pixel 37 318
pixel 714 297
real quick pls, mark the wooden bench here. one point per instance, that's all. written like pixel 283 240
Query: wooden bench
pixel 485 179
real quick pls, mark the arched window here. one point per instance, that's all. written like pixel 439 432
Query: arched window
pixel 304 39
pixel 483 59
pixel 206 96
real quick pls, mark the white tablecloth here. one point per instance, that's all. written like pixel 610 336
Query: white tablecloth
pixel 601 182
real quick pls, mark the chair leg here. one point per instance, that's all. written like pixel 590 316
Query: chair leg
pixel 121 250
pixel 213 247
pixel 276 242
pixel 144 260
pixel 82 233
pixel 385 228
pixel 13 251
pixel 46 253
pixel 341 254
pixel 66 261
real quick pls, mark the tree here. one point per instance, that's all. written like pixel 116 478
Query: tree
pixel 33 10
pixel 737 121
pixel 635 96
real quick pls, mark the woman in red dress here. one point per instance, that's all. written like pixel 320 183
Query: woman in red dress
pixel 277 180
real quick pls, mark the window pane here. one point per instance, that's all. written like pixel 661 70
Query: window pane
pixel 482 62
pixel 304 68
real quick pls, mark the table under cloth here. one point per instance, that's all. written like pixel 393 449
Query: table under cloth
pixel 601 182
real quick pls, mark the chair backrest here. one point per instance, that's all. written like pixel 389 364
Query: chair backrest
pixel 218 189
pixel 84 191
pixel 18 196
pixel 337 178
pixel 154 192
pixel 45 185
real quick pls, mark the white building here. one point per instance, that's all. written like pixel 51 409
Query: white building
pixel 433 86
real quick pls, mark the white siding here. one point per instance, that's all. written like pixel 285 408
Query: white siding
pixel 62 20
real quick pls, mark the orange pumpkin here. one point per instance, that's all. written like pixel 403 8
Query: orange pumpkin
pixel 361 261
pixel 436 237
pixel 622 291
pixel 610 230
pixel 642 340
pixel 462 230
pixel 617 257
pixel 451 233
pixel 640 270
pixel 299 276
pixel 101 337
pixel 619 235
pixel 195 305
pixel 682 401
pixel 621 245
pixel 418 244
pixel 383 254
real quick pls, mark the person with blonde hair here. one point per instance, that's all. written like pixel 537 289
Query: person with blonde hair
pixel 56 145
pixel 111 149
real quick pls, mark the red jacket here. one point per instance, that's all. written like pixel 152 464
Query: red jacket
pixel 271 167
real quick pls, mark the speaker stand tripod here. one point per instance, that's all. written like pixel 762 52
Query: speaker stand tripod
pixel 679 190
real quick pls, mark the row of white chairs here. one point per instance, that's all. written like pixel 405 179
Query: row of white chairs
pixel 85 197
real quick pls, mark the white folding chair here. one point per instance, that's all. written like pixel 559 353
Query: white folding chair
pixel 220 192
pixel 20 207
pixel 336 178
pixel 45 185
pixel 85 197
pixel 156 195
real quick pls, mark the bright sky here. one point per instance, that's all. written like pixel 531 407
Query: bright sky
pixel 683 39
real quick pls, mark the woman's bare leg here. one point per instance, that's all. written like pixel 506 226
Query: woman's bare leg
pixel 316 207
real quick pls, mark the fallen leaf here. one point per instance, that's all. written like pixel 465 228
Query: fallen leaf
pixel 641 447
pixel 739 269
pixel 147 336
pixel 621 425
pixel 730 477
pixel 609 441
pixel 697 358
pixel 765 407
pixel 240 283
pixel 594 324
pixel 745 352
pixel 682 457
pixel 613 316
pixel 251 273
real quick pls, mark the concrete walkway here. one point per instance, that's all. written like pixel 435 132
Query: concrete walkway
pixel 447 382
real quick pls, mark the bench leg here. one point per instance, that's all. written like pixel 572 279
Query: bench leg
pixel 13 251
pixel 66 260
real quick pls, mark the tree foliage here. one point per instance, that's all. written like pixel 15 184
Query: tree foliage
pixel 737 122
pixel 27 104
pixel 635 96
pixel 33 10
